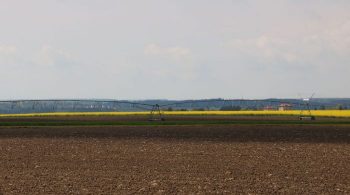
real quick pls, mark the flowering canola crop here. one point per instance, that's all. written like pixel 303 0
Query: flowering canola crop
pixel 322 113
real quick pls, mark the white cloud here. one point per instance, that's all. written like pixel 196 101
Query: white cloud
pixel 13 57
pixel 169 63
pixel 7 49
pixel 49 56
pixel 304 49
pixel 339 39
pixel 8 55
pixel 177 53
pixel 265 48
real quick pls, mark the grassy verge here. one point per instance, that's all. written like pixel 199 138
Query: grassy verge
pixel 159 123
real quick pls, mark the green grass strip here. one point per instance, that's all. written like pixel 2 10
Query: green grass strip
pixel 161 123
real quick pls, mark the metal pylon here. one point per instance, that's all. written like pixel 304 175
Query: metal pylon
pixel 307 116
pixel 156 114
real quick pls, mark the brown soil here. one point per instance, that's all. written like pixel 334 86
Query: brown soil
pixel 234 159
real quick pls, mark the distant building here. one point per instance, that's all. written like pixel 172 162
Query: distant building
pixel 283 107
pixel 269 108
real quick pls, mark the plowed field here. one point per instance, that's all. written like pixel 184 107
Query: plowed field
pixel 224 159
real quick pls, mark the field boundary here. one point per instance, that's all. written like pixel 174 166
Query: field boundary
pixel 167 123
pixel 320 113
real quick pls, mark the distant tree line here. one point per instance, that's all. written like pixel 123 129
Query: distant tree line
pixel 230 108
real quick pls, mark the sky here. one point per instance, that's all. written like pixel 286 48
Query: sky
pixel 174 49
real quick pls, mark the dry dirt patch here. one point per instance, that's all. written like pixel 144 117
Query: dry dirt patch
pixel 168 160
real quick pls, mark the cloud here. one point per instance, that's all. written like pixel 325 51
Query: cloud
pixel 316 50
pixel 177 53
pixel 265 48
pixel 13 57
pixel 49 56
pixel 7 54
pixel 339 39
pixel 7 49
pixel 166 63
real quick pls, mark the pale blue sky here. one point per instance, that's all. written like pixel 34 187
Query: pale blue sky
pixel 177 49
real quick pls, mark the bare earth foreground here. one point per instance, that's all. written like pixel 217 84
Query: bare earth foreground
pixel 232 159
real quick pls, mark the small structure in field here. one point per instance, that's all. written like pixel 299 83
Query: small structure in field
pixel 284 107
pixel 267 108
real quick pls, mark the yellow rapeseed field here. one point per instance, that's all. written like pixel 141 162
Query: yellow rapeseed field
pixel 324 113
